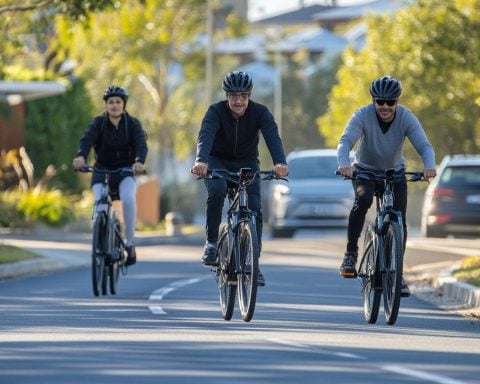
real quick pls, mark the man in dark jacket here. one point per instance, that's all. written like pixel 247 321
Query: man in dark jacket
pixel 119 142
pixel 228 139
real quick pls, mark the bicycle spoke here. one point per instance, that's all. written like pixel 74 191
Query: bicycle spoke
pixel 224 276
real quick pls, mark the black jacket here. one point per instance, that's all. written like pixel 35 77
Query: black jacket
pixel 114 148
pixel 226 137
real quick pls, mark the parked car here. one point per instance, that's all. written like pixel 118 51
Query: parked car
pixel 314 196
pixel 451 204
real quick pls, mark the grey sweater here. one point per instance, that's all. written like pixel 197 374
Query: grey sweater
pixel 378 151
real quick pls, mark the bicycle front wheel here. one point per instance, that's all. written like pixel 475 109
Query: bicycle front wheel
pixel 113 268
pixel 99 246
pixel 368 273
pixel 225 275
pixel 247 280
pixel 393 270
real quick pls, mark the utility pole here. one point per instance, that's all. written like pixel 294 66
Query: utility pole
pixel 209 55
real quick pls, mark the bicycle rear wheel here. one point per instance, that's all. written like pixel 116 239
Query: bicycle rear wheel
pixel 99 245
pixel 247 280
pixel 113 268
pixel 225 274
pixel 368 273
pixel 392 275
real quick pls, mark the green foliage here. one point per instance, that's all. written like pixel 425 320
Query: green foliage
pixel 432 47
pixel 54 126
pixel 469 270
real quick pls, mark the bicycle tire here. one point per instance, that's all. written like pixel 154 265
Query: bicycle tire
pixel 114 268
pixel 225 275
pixel 392 275
pixel 98 253
pixel 247 280
pixel 368 273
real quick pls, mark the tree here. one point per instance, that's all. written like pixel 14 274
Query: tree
pixel 432 47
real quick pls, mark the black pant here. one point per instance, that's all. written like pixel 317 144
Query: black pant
pixel 364 193
pixel 217 192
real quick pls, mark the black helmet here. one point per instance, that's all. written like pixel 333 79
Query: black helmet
pixel 386 88
pixel 113 90
pixel 237 81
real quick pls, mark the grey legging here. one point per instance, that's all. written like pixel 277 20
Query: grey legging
pixel 127 191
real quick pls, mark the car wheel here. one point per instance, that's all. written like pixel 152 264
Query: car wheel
pixel 282 232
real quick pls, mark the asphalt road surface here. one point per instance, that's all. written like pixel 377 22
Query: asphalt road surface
pixel 165 326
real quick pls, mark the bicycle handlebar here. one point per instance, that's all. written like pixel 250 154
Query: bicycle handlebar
pixel 389 176
pixel 90 168
pixel 245 174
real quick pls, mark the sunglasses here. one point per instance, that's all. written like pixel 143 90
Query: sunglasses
pixel 382 102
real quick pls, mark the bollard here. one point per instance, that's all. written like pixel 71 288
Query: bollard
pixel 173 223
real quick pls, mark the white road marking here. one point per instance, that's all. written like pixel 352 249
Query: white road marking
pixel 160 293
pixel 315 348
pixel 421 375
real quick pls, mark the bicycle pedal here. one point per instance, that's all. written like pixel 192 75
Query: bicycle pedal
pixel 348 275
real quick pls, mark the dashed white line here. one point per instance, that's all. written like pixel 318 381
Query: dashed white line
pixel 421 375
pixel 160 293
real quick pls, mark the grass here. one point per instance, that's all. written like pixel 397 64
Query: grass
pixel 469 271
pixel 11 254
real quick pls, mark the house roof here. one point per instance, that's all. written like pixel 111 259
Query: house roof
pixel 312 39
pixel 14 92
pixel 300 16
pixel 339 14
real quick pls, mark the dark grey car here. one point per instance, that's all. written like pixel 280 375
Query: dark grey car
pixel 451 204
pixel 314 197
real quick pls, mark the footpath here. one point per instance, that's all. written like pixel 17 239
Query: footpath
pixel 58 250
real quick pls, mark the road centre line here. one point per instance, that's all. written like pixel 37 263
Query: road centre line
pixel 421 375
pixel 160 293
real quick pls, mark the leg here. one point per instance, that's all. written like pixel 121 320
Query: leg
pixel 127 192
pixel 364 192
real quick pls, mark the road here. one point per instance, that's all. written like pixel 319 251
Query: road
pixel 165 326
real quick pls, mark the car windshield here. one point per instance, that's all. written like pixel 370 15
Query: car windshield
pixel 465 175
pixel 312 167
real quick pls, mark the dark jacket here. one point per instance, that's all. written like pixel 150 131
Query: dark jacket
pixel 114 148
pixel 226 137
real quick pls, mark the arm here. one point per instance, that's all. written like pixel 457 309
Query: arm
pixel 420 142
pixel 274 143
pixel 206 137
pixel 350 136
pixel 87 141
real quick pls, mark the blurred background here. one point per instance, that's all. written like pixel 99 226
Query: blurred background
pixel 312 63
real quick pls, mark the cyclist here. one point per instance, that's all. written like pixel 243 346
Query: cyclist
pixel 380 128
pixel 118 141
pixel 228 139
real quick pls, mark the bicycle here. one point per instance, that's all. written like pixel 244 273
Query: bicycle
pixel 238 248
pixel 381 266
pixel 108 247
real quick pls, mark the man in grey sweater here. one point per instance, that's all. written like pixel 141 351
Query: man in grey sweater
pixel 380 128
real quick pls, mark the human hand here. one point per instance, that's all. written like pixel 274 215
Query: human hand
pixel 199 168
pixel 429 173
pixel 346 170
pixel 281 170
pixel 78 162
pixel 138 168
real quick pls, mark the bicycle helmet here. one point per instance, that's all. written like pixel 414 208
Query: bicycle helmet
pixel 113 90
pixel 386 88
pixel 237 81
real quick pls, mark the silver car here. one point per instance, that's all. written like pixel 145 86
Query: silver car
pixel 314 197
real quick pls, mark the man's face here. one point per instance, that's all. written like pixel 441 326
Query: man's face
pixel 238 102
pixel 115 106
pixel 385 109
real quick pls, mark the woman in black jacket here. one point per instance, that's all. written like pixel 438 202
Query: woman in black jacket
pixel 118 141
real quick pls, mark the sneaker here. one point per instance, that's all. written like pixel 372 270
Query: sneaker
pixel 405 291
pixel 347 269
pixel 260 277
pixel 131 255
pixel 210 255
